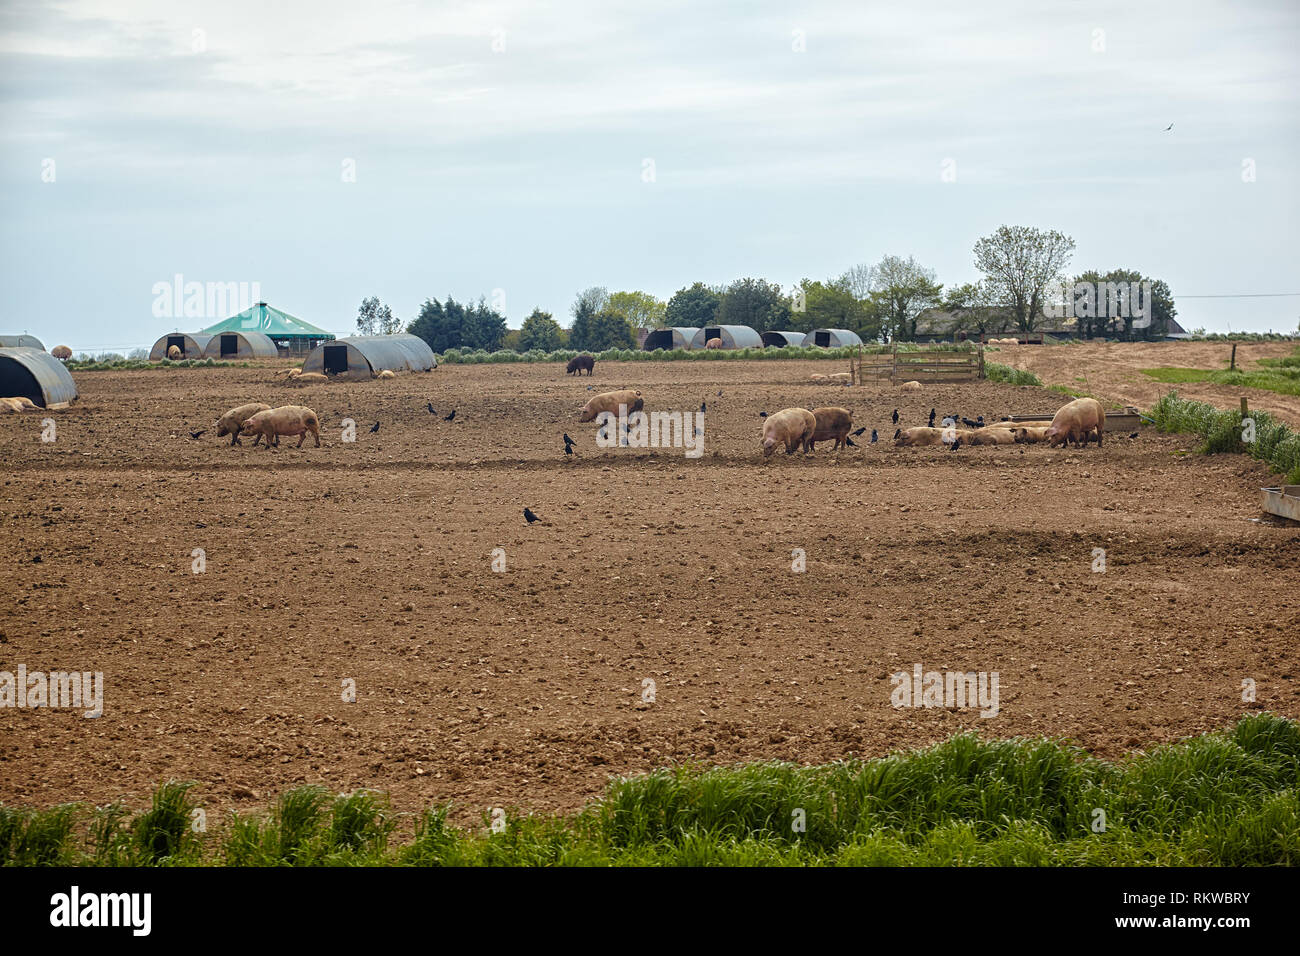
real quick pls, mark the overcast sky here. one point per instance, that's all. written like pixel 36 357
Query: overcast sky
pixel 213 140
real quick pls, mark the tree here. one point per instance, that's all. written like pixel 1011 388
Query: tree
pixel 375 318
pixel 541 331
pixel 833 305
pixel 641 309
pixel 1018 262
pixel 973 308
pixel 756 303
pixel 903 289
pixel 452 325
pixel 693 307
pixel 604 330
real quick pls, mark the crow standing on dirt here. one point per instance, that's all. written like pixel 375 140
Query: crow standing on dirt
pixel 374 428
pixel 195 435
pixel 932 418
pixel 568 440
pixel 955 445
pixel 897 432
pixel 447 418
pixel 762 414
pixel 874 436
pixel 969 424
pixel 704 406
pixel 860 431
pixel 530 517
pixel 849 441
pixel 1134 435
pixel 429 406
pixel 568 444
pixel 896 416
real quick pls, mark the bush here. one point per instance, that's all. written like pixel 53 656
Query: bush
pixel 996 372
pixel 1221 431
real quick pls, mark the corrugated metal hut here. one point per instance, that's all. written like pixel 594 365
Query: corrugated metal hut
pixel 20 342
pixel 191 345
pixel 733 337
pixel 364 356
pixel 676 337
pixel 36 374
pixel 240 345
pixel 782 339
pixel 831 338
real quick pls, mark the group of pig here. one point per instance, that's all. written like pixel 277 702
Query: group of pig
pixel 269 423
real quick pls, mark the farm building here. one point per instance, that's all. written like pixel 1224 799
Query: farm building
pixel 20 342
pixel 782 339
pixel 364 356
pixel 678 337
pixel 191 345
pixel 240 345
pixel 36 374
pixel 831 338
pixel 291 335
pixel 733 337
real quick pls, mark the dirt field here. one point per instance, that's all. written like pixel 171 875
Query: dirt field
pixel 372 562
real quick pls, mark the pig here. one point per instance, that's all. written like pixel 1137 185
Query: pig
pixel 387 373
pixel 1076 423
pixel 832 423
pixel 911 386
pixel 840 378
pixel 232 421
pixel 791 427
pixel 308 378
pixel 713 344
pixel 286 420
pixel 174 352
pixel 815 377
pixel 61 352
pixel 922 437
pixel 609 402
pixel 1029 434
pixel 990 435
pixel 10 405
pixel 578 363
pixel 22 403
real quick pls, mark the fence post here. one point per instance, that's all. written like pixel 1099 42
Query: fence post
pixel 1232 365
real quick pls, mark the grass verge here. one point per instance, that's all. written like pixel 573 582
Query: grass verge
pixel 1221 431
pixel 1280 379
pixel 1230 798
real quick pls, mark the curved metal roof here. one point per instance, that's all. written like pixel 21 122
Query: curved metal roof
pixel 24 371
pixel 257 343
pixel 782 339
pixel 672 337
pixel 837 337
pixel 21 342
pixel 733 336
pixel 195 342
pixel 402 352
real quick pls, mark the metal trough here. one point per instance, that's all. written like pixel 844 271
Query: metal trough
pixel 1129 419
pixel 1283 502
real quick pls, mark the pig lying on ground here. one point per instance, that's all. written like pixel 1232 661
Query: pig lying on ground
pixel 911 386
pixel 840 378
pixel 174 352
pixel 832 423
pixel 991 436
pixel 791 427
pixel 1076 423
pixel 308 378
pixel 922 437
pixel 387 373
pixel 816 377
pixel 286 420
pixel 1029 434
pixel 231 422
pixel 11 405
pixel 579 363
pixel 609 402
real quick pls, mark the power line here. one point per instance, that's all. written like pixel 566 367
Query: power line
pixel 1242 295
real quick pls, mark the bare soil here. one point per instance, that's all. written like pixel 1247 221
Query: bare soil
pixel 372 562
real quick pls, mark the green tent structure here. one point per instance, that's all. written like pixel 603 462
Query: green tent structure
pixel 291 335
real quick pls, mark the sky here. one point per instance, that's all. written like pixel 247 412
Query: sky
pixel 523 151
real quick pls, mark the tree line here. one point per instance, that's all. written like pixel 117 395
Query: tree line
pixel 1024 276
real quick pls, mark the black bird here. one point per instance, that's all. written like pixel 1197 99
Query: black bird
pixel 568 441
pixel 195 435
pixel 968 423
pixel 932 418
pixel 1134 435
pixel 896 416
pixel 568 449
pixel 374 428
pixel 955 445
pixel 704 407
pixel 447 418
pixel 979 420
pixel 849 442
pixel 874 436
pixel 1169 127
pixel 860 430
pixel 530 516
pixel 429 406
pixel 897 432
pixel 762 414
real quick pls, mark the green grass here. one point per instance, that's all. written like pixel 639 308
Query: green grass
pixel 1221 431
pixel 1230 798
pixel 1283 380
pixel 996 372
pixel 130 365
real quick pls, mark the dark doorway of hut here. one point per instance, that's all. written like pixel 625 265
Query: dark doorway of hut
pixel 336 359
pixel 229 345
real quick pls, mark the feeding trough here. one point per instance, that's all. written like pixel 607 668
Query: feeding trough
pixel 1127 420
pixel 1283 502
